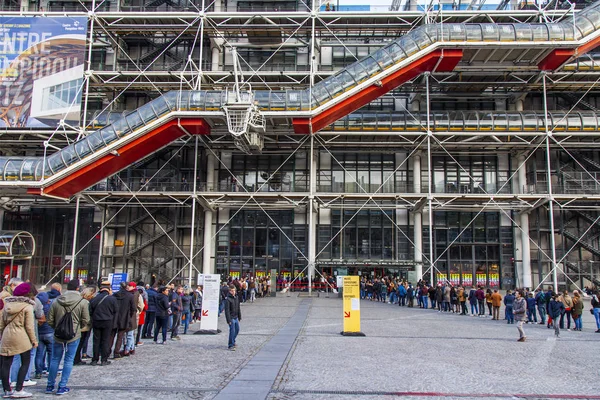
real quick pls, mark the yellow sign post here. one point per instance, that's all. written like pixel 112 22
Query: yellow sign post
pixel 351 285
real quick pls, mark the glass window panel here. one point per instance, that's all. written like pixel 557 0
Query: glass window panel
pixel 121 128
pixel 160 106
pixel 95 141
pixel 133 120
pixel 56 162
pixel 82 148
pixel 147 113
pixel 108 134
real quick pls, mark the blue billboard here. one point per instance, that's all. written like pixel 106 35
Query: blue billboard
pixel 41 70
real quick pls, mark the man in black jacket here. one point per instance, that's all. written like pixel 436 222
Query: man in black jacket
pixel 233 313
pixel 127 310
pixel 103 311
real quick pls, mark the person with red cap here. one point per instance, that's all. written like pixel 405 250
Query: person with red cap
pixel 17 327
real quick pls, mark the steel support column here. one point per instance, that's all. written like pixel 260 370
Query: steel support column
pixel 525 272
pixel 207 265
pixel 417 219
pixel 551 198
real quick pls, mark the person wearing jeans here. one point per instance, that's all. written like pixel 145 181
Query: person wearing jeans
pixel 150 313
pixel 45 338
pixel 163 308
pixel 596 308
pixel 69 350
pixel 233 314
pixel 71 302
pixel 555 309
pixel 44 352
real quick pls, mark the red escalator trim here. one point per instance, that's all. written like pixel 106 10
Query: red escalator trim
pixel 555 59
pixel 128 154
pixel 439 60
pixel 591 45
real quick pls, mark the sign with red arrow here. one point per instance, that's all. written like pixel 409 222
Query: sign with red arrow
pixel 210 302
pixel 351 295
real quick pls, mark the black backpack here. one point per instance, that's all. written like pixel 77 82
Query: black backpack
pixel 64 328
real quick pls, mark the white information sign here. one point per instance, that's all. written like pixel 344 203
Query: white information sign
pixel 210 302
pixel 340 281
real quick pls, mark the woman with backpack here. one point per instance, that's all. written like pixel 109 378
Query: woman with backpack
pixel 18 337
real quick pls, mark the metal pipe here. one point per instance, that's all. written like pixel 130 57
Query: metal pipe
pixel 193 224
pixel 74 250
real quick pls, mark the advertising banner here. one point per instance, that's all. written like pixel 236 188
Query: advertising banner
pixel 41 70
pixel 210 302
pixel 116 279
pixel 467 279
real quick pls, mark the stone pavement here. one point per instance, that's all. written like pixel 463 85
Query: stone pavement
pixel 291 348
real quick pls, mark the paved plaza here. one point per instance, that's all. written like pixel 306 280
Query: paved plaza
pixel 291 348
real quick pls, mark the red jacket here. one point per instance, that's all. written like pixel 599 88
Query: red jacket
pixel 143 313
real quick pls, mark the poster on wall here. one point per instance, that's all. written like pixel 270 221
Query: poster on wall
pixel 467 279
pixel 454 279
pixel 41 70
pixel 481 278
pixel 494 279
pixel 441 277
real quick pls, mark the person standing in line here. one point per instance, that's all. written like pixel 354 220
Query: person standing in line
pixel 473 302
pixel 531 315
pixel 138 300
pixel 163 309
pixel 480 294
pixel 197 299
pixel 568 302
pixel 496 303
pixel 596 310
pixel 488 301
pixel 462 298
pixel 17 327
pixel 127 310
pixel 233 314
pixel 10 287
pixel 88 293
pixel 187 310
pixel 252 288
pixel 555 310
pixel 72 302
pixel 520 313
pixel 104 309
pixel 150 313
pixel 223 293
pixel 540 300
pixel 577 310
pixel 43 354
pixel 176 309
pixel 509 301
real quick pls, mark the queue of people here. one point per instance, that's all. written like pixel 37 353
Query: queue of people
pixel 41 330
pixel 555 310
